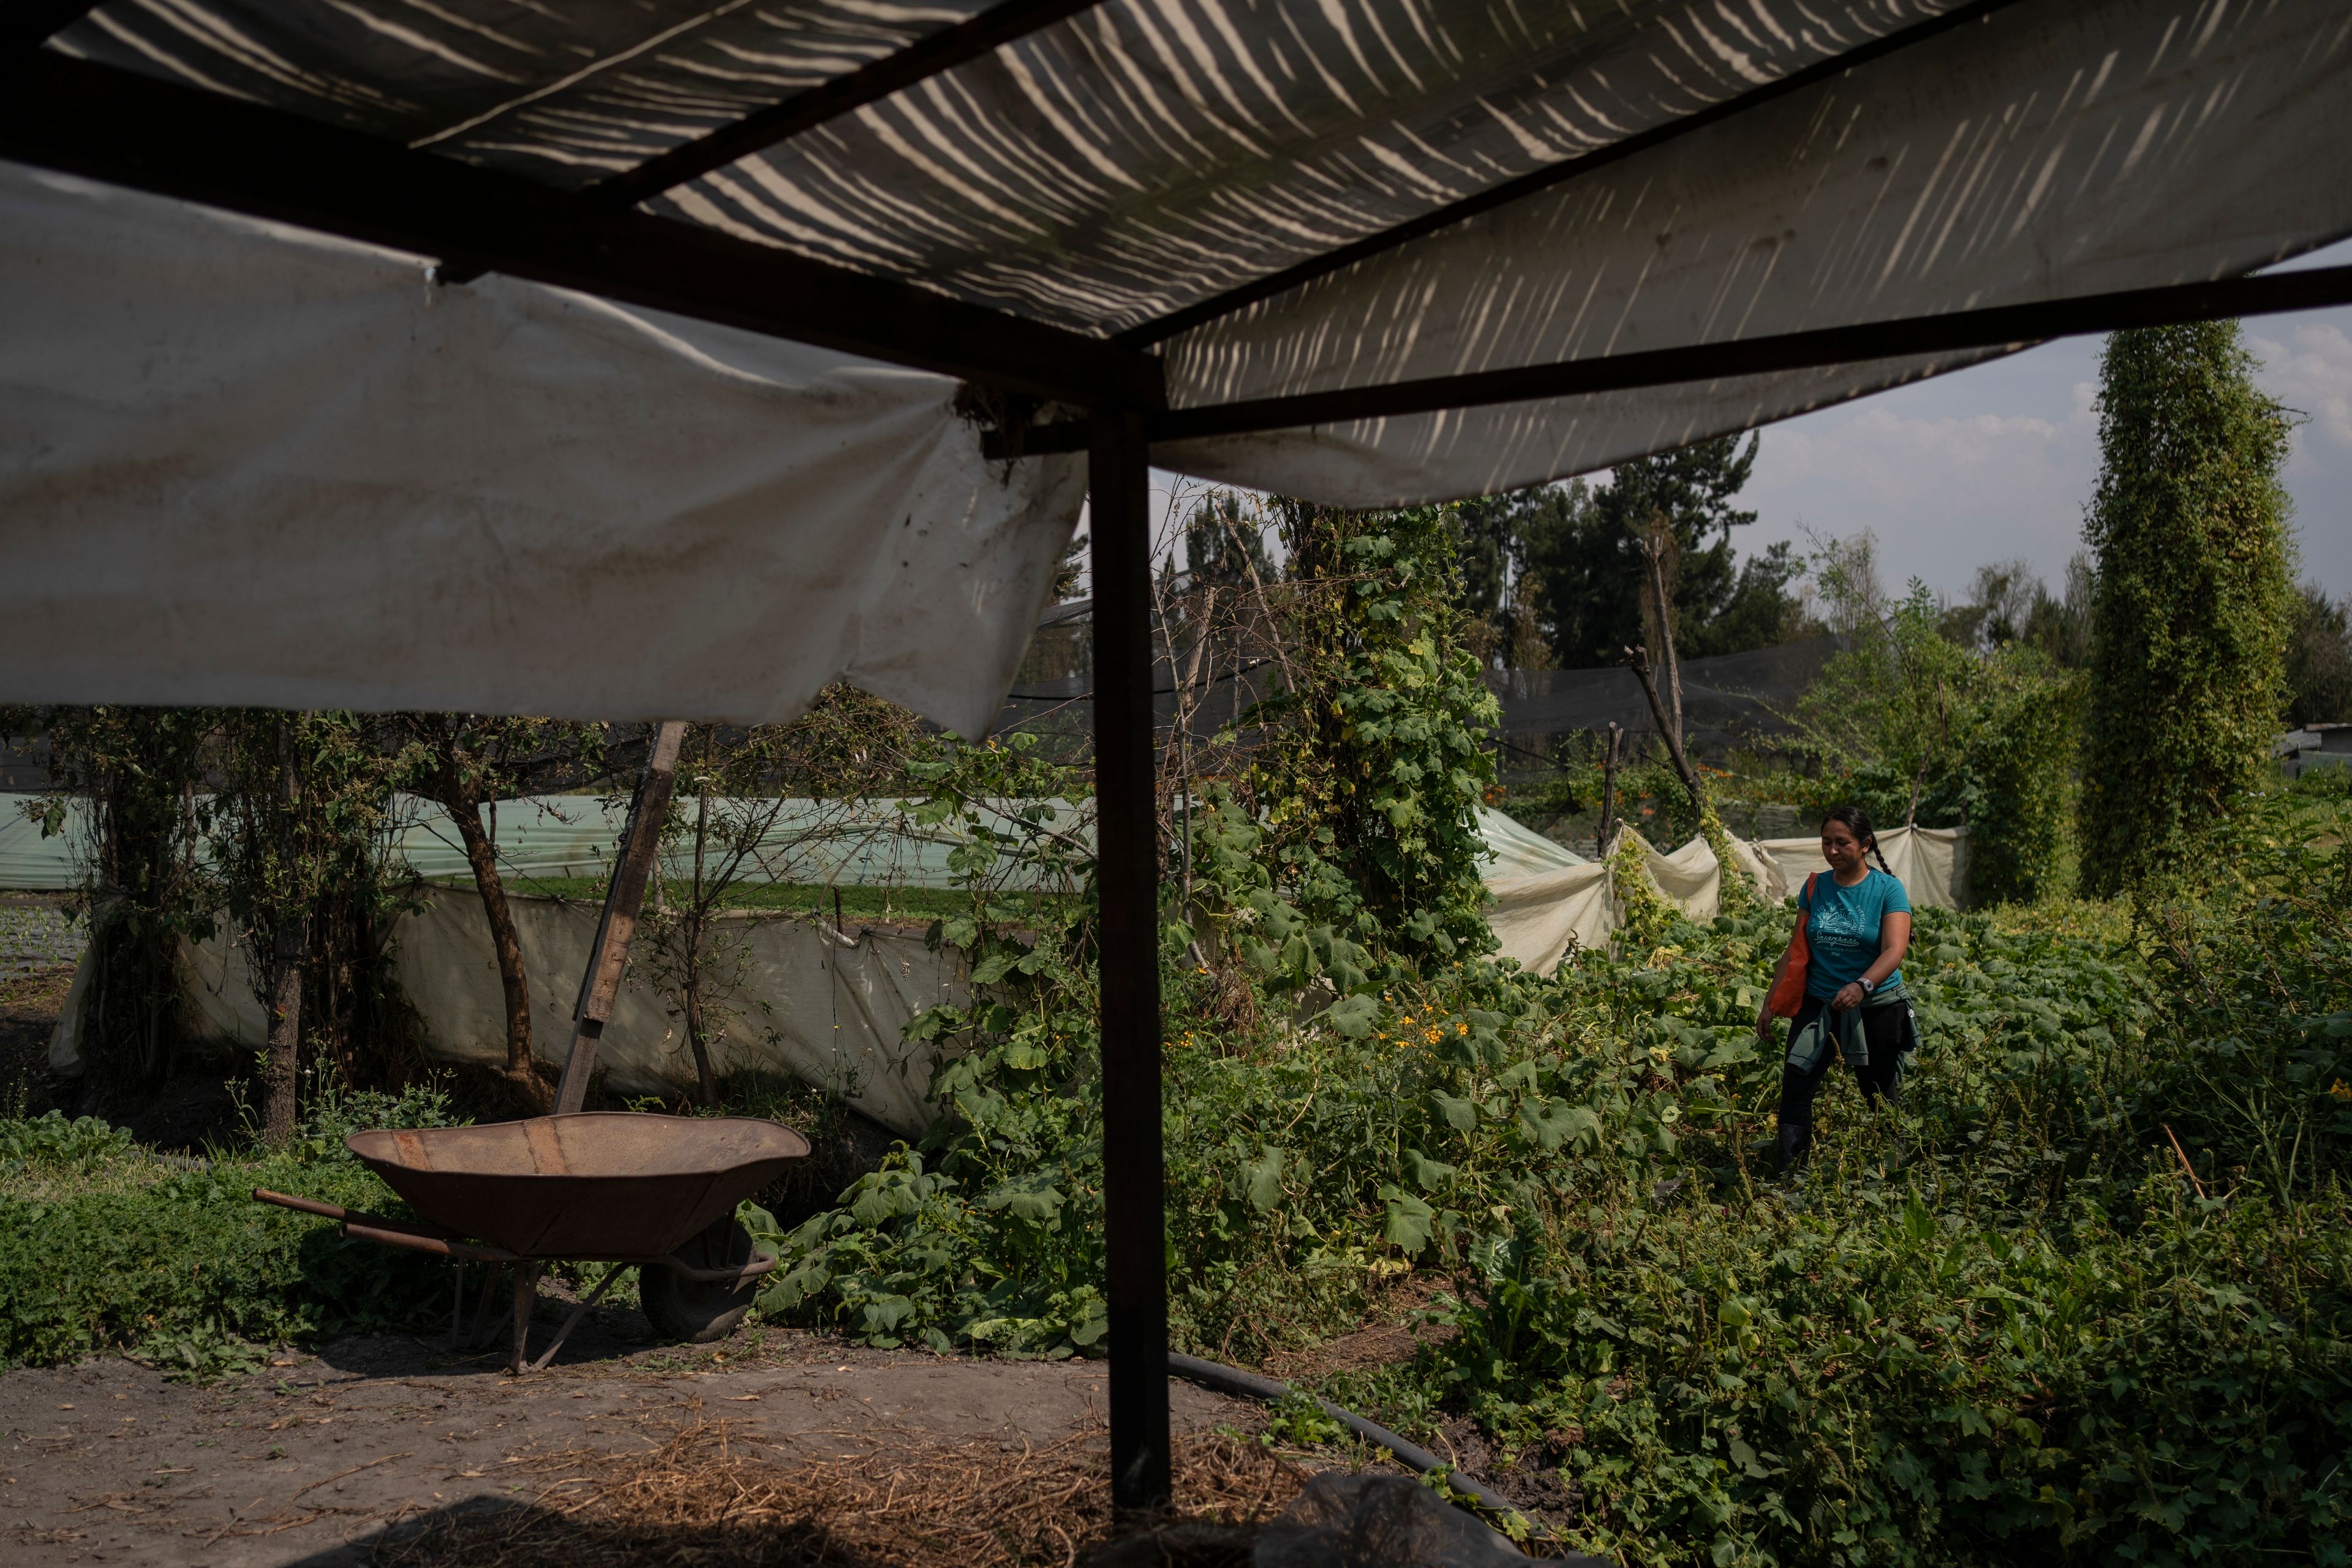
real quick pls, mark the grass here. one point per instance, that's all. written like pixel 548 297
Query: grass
pixel 863 903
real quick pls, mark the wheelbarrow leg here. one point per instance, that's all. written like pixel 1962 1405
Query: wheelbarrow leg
pixel 526 1298
pixel 456 1306
pixel 578 1312
pixel 483 1333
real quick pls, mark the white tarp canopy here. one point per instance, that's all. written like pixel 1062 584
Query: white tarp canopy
pixel 2070 146
pixel 245 463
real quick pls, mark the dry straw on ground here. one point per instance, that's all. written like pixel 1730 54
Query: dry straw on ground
pixel 711 1497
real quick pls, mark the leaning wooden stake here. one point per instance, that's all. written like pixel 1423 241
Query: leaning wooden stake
pixel 2186 1169
pixel 1609 788
pixel 1639 657
pixel 1659 552
pixel 610 954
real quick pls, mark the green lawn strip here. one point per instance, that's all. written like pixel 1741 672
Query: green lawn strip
pixel 917 905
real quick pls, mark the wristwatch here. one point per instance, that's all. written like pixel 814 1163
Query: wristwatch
pixel 1867 985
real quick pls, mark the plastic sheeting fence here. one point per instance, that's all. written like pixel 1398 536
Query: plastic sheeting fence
pixel 554 838
pixel 828 1005
pixel 1542 913
pixel 871 843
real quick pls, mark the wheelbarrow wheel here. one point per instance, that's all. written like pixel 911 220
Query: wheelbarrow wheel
pixel 697 1311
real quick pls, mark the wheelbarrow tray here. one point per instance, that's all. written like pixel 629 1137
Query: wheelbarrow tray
pixel 589 1185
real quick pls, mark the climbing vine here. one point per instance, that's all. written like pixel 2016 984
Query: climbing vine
pixel 1374 762
pixel 2189 619
pixel 1645 914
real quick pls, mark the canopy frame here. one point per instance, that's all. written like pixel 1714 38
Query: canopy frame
pixel 926 58
pixel 1998 327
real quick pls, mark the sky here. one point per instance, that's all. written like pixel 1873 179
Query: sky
pixel 1995 462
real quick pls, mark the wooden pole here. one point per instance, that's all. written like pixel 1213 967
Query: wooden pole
pixel 1657 548
pixel 1609 788
pixel 626 896
pixel 1639 657
pixel 1128 860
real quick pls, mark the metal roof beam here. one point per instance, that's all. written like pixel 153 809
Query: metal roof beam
pixel 1545 178
pixel 129 130
pixel 928 57
pixel 1999 326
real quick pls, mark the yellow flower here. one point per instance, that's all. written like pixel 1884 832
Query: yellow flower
pixel 2340 1089
pixel 1460 1028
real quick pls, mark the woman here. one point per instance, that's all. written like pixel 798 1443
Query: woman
pixel 1856 923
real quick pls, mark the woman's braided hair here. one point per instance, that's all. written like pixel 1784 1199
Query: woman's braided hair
pixel 1857 822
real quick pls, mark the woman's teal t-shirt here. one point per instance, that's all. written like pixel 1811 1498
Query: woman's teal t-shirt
pixel 1841 928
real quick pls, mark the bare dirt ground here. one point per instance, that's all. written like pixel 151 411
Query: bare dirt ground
pixel 370 1450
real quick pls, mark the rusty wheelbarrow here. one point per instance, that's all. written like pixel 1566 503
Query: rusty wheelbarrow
pixel 619 1187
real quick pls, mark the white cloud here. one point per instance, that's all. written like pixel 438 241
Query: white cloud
pixel 1945 493
pixel 2311 372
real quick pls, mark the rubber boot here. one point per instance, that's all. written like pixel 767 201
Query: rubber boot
pixel 1795 1138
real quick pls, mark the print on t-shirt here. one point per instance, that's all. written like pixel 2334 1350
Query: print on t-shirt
pixel 1843 927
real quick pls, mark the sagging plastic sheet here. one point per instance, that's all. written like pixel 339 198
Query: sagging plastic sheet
pixel 829 1007
pixel 1540 916
pixel 246 464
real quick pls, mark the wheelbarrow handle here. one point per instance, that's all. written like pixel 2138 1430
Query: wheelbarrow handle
pixel 304 1205
pixel 418 1239
pixel 388 1232
pixel 465 1252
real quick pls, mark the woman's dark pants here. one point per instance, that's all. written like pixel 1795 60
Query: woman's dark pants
pixel 1883 1027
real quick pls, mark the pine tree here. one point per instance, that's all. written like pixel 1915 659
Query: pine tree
pixel 2188 624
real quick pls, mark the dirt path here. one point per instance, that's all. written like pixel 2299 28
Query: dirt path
pixel 314 1460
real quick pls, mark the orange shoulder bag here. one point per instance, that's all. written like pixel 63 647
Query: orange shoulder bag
pixel 1788 990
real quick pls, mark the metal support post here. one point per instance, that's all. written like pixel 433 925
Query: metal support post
pixel 1126 845
pixel 624 898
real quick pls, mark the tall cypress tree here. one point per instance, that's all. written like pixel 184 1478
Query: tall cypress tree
pixel 2189 621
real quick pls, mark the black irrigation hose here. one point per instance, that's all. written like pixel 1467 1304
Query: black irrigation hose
pixel 1249 1385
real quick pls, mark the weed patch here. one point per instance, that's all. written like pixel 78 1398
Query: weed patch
pixel 2008 1320
pixel 104 1247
